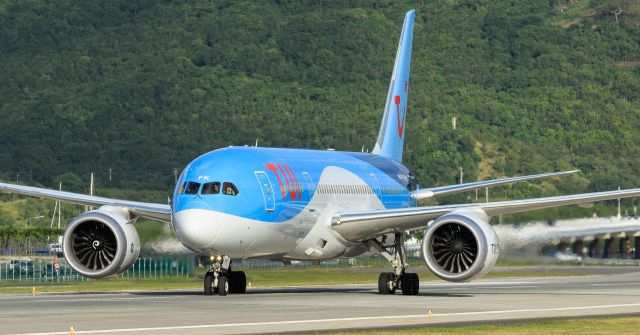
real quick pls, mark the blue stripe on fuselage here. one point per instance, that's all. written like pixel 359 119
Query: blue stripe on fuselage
pixel 298 170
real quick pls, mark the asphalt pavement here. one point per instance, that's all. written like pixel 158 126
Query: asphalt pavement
pixel 318 308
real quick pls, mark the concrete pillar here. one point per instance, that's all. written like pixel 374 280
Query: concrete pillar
pixel 621 247
pixel 608 248
pixel 594 248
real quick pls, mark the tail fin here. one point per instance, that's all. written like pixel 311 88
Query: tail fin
pixel 391 136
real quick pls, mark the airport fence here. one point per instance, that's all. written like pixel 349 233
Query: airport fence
pixel 21 270
pixel 16 269
pixel 41 270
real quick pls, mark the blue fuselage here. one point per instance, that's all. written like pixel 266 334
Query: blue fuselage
pixel 293 177
pixel 238 200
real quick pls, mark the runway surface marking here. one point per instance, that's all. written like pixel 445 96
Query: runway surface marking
pixel 490 283
pixel 96 299
pixel 513 286
pixel 272 323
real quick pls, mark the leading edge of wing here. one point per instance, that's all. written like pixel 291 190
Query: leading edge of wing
pixel 432 192
pixel 160 212
pixel 359 226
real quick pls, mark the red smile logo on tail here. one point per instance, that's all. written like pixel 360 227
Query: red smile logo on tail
pixel 398 112
pixel 404 115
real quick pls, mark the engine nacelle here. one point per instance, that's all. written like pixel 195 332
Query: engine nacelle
pixel 461 245
pixel 101 243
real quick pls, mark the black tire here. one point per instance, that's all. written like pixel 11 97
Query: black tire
pixel 410 284
pixel 383 283
pixel 416 283
pixel 237 282
pixel 208 283
pixel 223 285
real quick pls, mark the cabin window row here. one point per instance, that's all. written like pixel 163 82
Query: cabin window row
pixel 344 189
pixel 355 189
pixel 193 187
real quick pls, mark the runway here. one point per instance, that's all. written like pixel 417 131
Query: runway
pixel 322 308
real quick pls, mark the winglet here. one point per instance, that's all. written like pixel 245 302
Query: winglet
pixel 391 136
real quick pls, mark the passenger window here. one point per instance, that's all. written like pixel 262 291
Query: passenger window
pixel 182 187
pixel 211 188
pixel 229 189
pixel 192 188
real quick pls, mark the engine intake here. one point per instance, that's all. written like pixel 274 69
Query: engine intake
pixel 460 246
pixel 101 243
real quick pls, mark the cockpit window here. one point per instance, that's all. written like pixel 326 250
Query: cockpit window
pixel 182 187
pixel 211 188
pixel 229 189
pixel 192 188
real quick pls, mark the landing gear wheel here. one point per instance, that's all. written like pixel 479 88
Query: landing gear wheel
pixel 410 284
pixel 237 282
pixel 386 283
pixel 208 284
pixel 223 285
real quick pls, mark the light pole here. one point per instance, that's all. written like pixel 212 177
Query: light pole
pixel 29 220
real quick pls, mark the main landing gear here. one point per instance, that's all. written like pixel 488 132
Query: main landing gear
pixel 388 282
pixel 221 280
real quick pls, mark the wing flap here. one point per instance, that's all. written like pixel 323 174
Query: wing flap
pixel 360 226
pixel 160 212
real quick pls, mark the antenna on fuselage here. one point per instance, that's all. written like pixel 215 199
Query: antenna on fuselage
pixel 256 143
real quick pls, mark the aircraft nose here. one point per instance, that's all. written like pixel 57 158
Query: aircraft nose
pixel 196 228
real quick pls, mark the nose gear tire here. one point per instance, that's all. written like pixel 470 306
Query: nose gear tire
pixel 237 282
pixel 223 285
pixel 208 283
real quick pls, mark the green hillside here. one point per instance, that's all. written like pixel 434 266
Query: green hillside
pixel 142 87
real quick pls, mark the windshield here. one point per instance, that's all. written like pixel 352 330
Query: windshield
pixel 192 188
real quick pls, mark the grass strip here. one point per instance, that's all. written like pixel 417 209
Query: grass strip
pixel 583 326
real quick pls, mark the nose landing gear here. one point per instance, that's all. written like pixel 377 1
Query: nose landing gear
pixel 221 280
pixel 388 282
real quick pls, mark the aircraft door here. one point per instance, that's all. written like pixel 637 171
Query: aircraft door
pixel 310 186
pixel 376 183
pixel 267 191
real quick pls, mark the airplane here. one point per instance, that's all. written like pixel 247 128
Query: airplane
pixel 296 204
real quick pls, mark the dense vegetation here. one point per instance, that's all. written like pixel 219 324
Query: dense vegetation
pixel 142 87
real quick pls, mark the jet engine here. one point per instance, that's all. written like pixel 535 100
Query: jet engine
pixel 101 243
pixel 460 246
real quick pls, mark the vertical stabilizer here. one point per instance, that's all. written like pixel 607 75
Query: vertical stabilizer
pixel 391 136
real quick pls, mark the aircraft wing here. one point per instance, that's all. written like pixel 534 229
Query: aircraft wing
pixel 150 210
pixel 360 226
pixel 427 193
